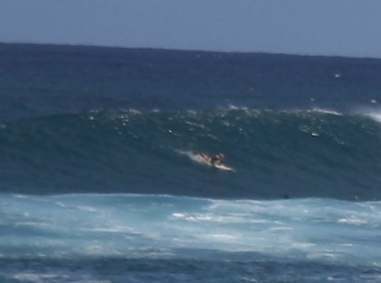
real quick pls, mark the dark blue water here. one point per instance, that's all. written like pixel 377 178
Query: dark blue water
pixel 100 182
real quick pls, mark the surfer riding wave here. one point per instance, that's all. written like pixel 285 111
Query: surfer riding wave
pixel 215 161
pixel 212 160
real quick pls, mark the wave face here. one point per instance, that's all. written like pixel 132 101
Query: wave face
pixel 100 179
pixel 274 153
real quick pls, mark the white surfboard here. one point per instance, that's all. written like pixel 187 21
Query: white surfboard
pixel 222 167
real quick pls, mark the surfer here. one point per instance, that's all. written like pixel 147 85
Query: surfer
pixel 213 160
pixel 217 159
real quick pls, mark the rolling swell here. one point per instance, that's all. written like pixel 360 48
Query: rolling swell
pixel 275 153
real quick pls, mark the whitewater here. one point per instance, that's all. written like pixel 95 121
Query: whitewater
pixel 148 228
pixel 99 180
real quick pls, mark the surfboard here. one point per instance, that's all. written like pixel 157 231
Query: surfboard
pixel 222 167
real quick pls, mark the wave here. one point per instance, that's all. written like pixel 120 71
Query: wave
pixel 150 226
pixel 301 153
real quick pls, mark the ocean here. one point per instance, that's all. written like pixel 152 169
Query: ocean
pixel 100 181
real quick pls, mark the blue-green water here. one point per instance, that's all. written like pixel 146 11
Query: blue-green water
pixel 99 182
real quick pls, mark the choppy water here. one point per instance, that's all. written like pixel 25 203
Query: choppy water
pixel 99 183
